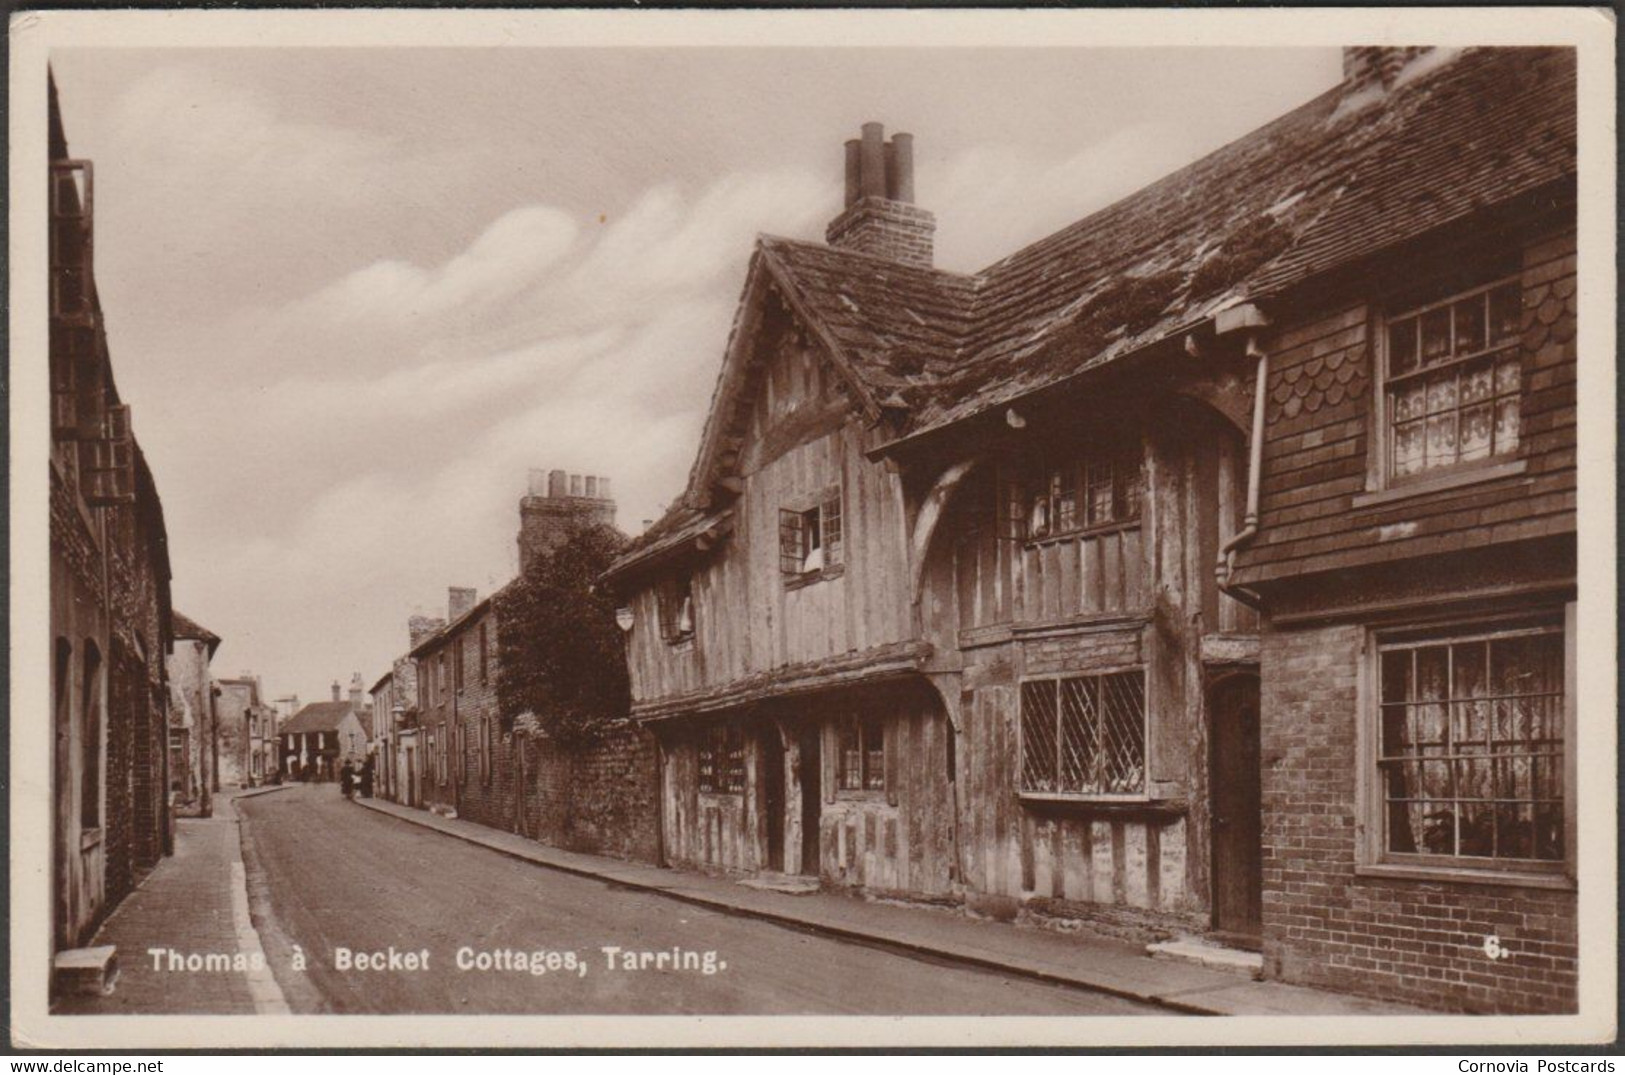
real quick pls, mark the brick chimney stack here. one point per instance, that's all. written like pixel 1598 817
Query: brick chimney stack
pixel 459 599
pixel 880 216
pixel 356 691
pixel 419 628
pixel 556 503
pixel 336 691
pixel 1367 66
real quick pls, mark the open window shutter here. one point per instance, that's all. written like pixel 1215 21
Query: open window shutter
pixel 790 541
pixel 830 516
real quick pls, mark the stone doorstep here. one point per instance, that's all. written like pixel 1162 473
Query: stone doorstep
pixel 85 972
pixel 786 883
pixel 1207 954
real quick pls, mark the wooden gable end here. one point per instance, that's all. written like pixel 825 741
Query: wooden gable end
pixel 786 437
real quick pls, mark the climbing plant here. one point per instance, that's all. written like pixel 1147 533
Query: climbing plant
pixel 560 655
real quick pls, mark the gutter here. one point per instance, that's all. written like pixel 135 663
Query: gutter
pixel 1249 318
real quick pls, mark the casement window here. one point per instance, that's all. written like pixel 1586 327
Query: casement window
pixel 1084 735
pixel 810 536
pixel 675 600
pixel 1080 491
pixel 1471 746
pixel 1453 379
pixel 861 754
pixel 722 759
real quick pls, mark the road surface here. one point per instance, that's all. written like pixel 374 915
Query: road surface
pixel 409 905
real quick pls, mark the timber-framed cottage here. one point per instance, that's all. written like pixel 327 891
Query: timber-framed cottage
pixel 1205 567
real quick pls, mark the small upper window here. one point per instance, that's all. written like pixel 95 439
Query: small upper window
pixel 810 539
pixel 1453 380
pixel 676 600
pixel 1099 487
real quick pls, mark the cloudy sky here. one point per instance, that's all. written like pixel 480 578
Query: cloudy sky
pixel 353 295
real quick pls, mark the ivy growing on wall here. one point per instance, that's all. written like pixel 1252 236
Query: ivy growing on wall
pixel 560 655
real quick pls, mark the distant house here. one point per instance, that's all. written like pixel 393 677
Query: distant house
pixel 322 736
pixel 193 743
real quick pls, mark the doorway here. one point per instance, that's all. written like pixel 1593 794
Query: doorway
pixel 772 754
pixel 1237 810
pixel 811 779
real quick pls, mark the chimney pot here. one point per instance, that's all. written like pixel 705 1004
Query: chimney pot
pixel 556 483
pixel 575 485
pixel 854 170
pixel 603 488
pixel 591 486
pixel 536 483
pixel 880 218
pixel 335 690
pixel 872 173
pixel 901 182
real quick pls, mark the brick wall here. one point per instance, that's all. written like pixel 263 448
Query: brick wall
pixel 1416 941
pixel 599 798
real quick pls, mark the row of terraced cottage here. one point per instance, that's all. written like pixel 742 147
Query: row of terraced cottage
pixel 1207 567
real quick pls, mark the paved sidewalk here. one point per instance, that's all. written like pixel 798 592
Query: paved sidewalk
pixel 1095 963
pixel 193 901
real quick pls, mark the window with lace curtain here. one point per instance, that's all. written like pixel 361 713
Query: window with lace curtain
pixel 1454 380
pixel 1471 745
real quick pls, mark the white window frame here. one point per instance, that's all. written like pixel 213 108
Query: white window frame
pixel 1381 476
pixel 1371 856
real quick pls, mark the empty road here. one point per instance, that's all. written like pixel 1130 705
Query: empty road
pixel 392 918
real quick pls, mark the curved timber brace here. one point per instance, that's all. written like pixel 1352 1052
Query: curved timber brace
pixel 929 515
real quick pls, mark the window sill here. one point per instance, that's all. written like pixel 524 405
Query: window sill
pixel 1099 529
pixel 867 795
pixel 1083 806
pixel 796 582
pixel 89 838
pixel 684 642
pixel 1465 876
pixel 1454 480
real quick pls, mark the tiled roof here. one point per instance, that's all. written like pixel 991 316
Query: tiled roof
pixel 1335 180
pixel 1341 178
pixel 186 627
pixel 318 717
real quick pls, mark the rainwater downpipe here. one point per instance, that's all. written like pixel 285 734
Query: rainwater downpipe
pixel 1254 319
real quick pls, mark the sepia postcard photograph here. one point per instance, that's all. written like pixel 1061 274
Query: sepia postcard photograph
pixel 812 528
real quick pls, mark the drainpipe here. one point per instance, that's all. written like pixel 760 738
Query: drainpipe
pixel 1252 319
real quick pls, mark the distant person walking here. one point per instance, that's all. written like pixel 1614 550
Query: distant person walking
pixel 347 781
pixel 366 778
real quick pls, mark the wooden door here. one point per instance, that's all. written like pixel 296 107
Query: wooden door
pixel 773 797
pixel 1237 809
pixel 812 798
